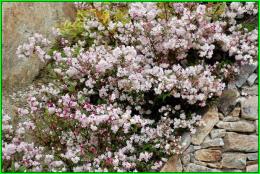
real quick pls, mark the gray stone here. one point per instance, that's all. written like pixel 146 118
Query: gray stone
pixel 213 143
pixel 239 126
pixel 198 168
pixel 252 156
pixel 201 163
pixel 252 168
pixel 231 170
pixel 217 133
pixel 185 159
pixel 249 108
pixel 210 118
pixel 230 119
pixel 251 79
pixel 190 149
pixel 185 141
pixel 256 126
pixel 228 100
pixel 236 112
pixel 239 142
pixel 20 20
pixel 221 116
pixel 207 138
pixel 179 167
pixel 197 147
pixel 233 160
pixel 245 71
pixel 217 165
pixel 253 90
pixel 232 85
pixel 208 155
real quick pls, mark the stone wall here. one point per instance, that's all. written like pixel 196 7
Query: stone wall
pixel 228 139
pixel 20 20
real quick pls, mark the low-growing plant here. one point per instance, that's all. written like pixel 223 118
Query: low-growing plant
pixel 127 80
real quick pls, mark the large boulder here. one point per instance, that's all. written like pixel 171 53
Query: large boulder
pixel 20 20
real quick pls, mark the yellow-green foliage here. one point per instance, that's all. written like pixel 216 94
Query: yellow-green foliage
pixel 217 9
pixel 73 30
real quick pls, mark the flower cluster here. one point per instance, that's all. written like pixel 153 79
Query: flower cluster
pixel 35 45
pixel 126 85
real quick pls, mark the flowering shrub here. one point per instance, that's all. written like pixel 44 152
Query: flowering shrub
pixel 125 79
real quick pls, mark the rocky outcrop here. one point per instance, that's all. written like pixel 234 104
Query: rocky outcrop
pixel 20 20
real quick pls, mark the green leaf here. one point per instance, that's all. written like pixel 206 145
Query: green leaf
pixel 249 26
pixel 22 169
pixel 71 87
pixel 12 167
pixel 101 101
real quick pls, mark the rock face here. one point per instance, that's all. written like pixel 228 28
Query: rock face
pixel 218 133
pixel 20 20
pixel 245 71
pixel 236 112
pixel 250 108
pixel 252 168
pixel 253 90
pixel 252 156
pixel 239 126
pixel 208 155
pixel 251 79
pixel 228 100
pixel 213 143
pixel 230 118
pixel 210 119
pixel 234 160
pixel 198 168
pixel 185 141
pixel 240 142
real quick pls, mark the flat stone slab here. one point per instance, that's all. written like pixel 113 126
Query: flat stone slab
pixel 228 100
pixel 251 79
pixel 218 133
pixel 252 156
pixel 198 168
pixel 210 118
pixel 252 168
pixel 208 155
pixel 245 71
pixel 249 108
pixel 239 142
pixel 234 160
pixel 238 126
pixel 252 90
pixel 213 143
